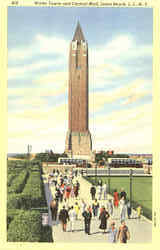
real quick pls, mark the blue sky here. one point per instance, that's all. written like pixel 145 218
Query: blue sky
pixel 120 76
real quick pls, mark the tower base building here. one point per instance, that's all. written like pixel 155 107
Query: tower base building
pixel 79 145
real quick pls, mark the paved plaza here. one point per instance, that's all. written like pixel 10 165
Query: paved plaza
pixel 140 230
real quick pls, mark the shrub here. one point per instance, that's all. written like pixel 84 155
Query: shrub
pixel 35 168
pixel 19 182
pixel 10 178
pixel 33 191
pixel 14 201
pixel 27 227
pixel 47 234
pixel 32 195
pixel 10 215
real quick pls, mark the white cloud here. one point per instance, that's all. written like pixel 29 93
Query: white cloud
pixel 59 78
pixel 123 47
pixel 132 92
pixel 40 128
pixel 51 84
pixel 45 114
pixel 40 45
pixel 20 102
pixel 129 130
pixel 20 71
pixel 108 62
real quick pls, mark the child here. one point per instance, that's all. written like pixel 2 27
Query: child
pixel 112 233
pixel 76 208
pixel 139 211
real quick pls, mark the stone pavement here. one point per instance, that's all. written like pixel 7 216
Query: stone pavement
pixel 140 230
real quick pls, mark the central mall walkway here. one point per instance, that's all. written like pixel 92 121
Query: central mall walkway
pixel 140 231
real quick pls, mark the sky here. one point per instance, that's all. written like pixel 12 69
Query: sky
pixel 120 77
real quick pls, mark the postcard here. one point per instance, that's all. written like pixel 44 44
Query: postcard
pixel 79 105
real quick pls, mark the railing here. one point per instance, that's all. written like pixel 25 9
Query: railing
pixel 111 171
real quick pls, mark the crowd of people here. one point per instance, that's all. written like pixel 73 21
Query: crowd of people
pixel 67 206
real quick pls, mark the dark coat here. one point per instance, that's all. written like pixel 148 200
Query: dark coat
pixel 63 215
pixel 123 234
pixel 76 191
pixel 87 216
pixel 103 217
pixel 93 190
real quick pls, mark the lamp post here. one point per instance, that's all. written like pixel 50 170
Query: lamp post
pixel 131 176
pixel 109 173
pixel 47 160
pixel 96 173
pixel 29 148
pixel 105 165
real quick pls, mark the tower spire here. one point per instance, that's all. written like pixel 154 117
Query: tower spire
pixel 78 35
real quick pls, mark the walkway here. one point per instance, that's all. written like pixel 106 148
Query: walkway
pixel 141 231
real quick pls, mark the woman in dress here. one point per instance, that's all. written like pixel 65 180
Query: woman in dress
pixel 104 215
pixel 123 233
pixel 123 208
pixel 67 192
pixel 116 198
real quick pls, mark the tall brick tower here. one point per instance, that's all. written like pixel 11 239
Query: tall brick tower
pixel 78 140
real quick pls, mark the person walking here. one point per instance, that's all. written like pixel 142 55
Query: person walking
pixel 67 192
pixel 72 218
pixel 63 217
pixel 93 192
pixel 83 206
pixel 116 198
pixel 99 191
pixel 57 193
pixel 139 211
pixel 110 207
pixel 104 216
pixel 95 207
pixel 87 220
pixel 72 192
pixel 122 206
pixel 54 209
pixel 104 190
pixel 129 209
pixel 112 233
pixel 76 191
pixel 61 189
pixel 100 183
pixel 123 233
pixel 76 208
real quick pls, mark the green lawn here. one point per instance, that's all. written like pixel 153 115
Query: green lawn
pixel 141 190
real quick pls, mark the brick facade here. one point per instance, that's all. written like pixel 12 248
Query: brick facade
pixel 78 139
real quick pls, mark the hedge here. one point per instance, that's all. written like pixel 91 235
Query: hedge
pixel 19 182
pixel 21 201
pixel 14 201
pixel 34 190
pixel 11 213
pixel 35 168
pixel 10 178
pixel 27 227
pixel 32 195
